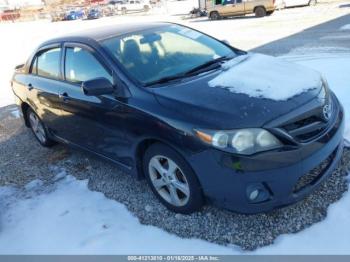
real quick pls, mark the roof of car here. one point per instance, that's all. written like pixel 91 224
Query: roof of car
pixel 101 33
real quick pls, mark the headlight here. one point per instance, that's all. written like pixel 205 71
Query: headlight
pixel 242 141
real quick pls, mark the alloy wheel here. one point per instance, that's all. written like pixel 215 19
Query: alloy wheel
pixel 37 127
pixel 168 180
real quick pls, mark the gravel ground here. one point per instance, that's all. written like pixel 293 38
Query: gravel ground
pixel 24 160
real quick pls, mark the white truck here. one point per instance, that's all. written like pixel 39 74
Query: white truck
pixel 280 4
pixel 134 6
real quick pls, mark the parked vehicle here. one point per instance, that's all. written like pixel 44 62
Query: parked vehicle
pixel 94 13
pixel 226 8
pixel 58 16
pixel 9 15
pixel 280 4
pixel 134 6
pixel 197 12
pixel 74 15
pixel 116 2
pixel 130 95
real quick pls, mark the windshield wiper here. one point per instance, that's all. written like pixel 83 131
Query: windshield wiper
pixel 204 67
pixel 210 65
pixel 165 79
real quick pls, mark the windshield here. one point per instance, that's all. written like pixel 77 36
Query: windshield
pixel 163 52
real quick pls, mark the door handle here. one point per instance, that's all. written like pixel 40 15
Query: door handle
pixel 30 86
pixel 63 96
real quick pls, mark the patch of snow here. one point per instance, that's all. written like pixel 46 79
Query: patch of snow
pixel 94 224
pixel 148 208
pixel 16 113
pixel 345 27
pixel 264 76
pixel 60 175
pixel 35 184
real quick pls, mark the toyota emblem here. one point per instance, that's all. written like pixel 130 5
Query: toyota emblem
pixel 327 112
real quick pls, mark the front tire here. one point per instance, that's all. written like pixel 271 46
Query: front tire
pixel 214 15
pixel 38 128
pixel 260 11
pixel 172 180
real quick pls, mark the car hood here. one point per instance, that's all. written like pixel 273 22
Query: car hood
pixel 210 103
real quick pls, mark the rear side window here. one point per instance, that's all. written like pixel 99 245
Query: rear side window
pixel 81 65
pixel 47 64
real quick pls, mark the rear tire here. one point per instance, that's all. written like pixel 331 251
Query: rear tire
pixel 172 179
pixel 269 13
pixel 260 11
pixel 214 15
pixel 39 129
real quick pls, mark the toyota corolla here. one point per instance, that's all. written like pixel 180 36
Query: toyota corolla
pixel 202 121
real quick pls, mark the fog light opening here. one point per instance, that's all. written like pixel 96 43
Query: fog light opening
pixel 254 194
pixel 257 193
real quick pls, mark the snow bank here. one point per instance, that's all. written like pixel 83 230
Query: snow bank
pixel 264 76
pixel 71 219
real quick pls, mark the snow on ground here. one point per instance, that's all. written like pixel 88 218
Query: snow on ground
pixel 345 27
pixel 71 219
pixel 241 76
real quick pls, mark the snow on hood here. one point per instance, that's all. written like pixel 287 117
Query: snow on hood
pixel 262 76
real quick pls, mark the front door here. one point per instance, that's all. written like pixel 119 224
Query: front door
pixel 92 122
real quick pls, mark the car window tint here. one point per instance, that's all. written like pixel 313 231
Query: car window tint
pixel 48 64
pixel 81 65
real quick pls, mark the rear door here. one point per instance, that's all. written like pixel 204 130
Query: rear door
pixel 92 122
pixel 43 83
pixel 238 7
pixel 232 7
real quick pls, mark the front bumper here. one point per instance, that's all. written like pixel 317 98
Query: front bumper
pixel 282 177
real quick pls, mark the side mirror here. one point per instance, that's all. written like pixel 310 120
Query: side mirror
pixel 97 86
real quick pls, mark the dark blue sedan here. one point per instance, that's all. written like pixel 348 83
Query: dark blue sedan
pixel 74 15
pixel 187 112
pixel 94 14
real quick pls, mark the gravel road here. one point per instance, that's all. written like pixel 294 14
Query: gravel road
pixel 23 160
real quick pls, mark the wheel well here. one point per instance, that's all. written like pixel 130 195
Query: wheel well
pixel 212 12
pixel 263 7
pixel 140 151
pixel 24 108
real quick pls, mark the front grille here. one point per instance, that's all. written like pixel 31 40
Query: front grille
pixel 313 175
pixel 314 124
pixel 306 129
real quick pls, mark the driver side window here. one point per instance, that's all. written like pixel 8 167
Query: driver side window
pixel 81 65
